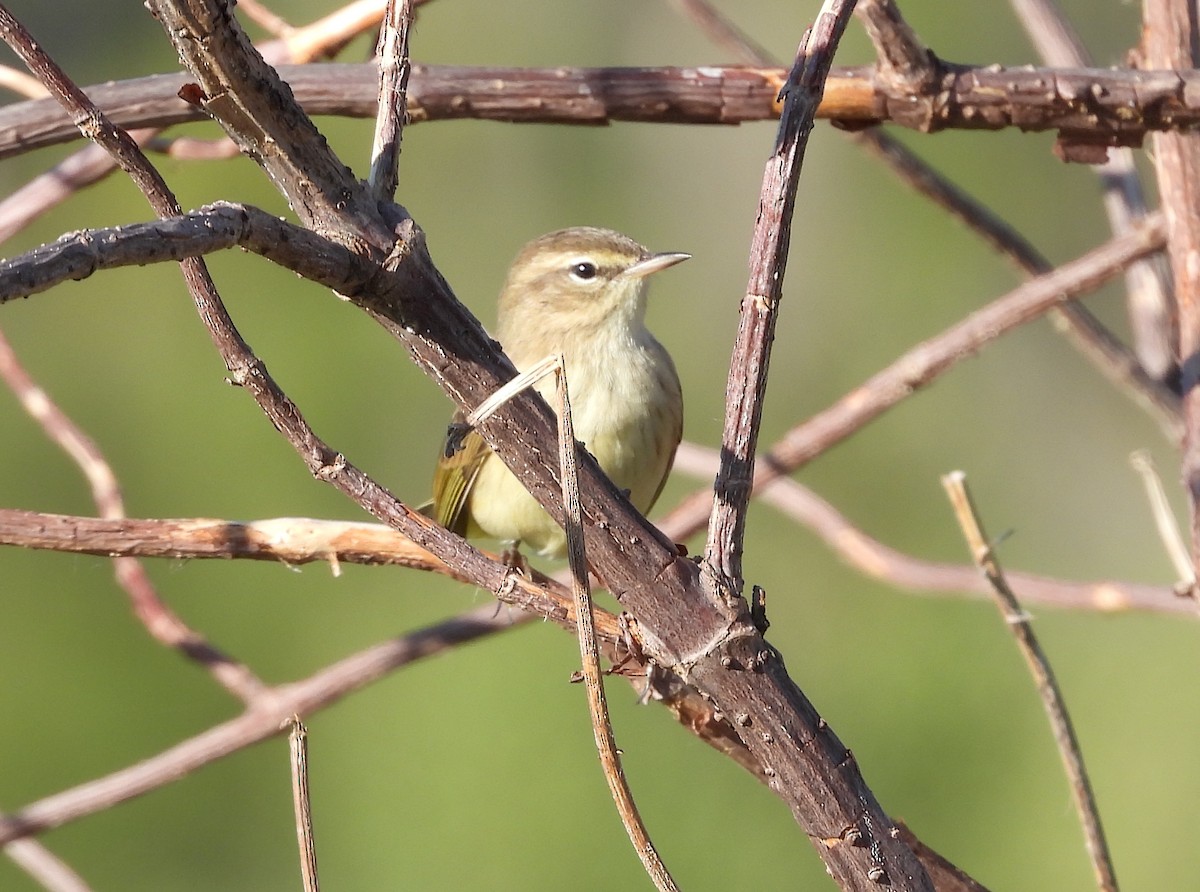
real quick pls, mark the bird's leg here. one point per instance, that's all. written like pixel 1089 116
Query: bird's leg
pixel 512 558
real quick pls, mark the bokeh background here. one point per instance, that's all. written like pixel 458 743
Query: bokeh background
pixel 476 770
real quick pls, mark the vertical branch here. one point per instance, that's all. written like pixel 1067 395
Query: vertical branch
pixel 1169 41
pixel 589 653
pixel 392 59
pixel 1043 676
pixel 302 804
pixel 585 621
pixel 1147 282
pixel 747 381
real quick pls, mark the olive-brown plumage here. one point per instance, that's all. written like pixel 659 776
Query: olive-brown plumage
pixel 580 292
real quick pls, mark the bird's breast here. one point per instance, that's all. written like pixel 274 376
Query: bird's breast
pixel 627 410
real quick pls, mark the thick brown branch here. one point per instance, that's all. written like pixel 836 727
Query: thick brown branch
pixel 217 227
pixel 1116 107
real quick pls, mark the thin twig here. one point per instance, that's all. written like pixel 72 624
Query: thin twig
pixel 1052 699
pixel 392 57
pixel 922 364
pixel 91 164
pixel 162 623
pixel 302 803
pixel 907 63
pixel 1164 520
pixel 273 24
pixel 747 380
pixel 20 82
pixel 723 32
pixel 1092 338
pixel 245 368
pixel 44 866
pixel 879 561
pixel 265 719
pixel 593 678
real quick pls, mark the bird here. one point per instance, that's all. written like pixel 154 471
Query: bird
pixel 579 292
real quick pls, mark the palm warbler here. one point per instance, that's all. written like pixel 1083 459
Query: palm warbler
pixel 580 292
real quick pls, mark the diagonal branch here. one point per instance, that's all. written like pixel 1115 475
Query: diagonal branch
pixel 1092 338
pixel 878 561
pixel 162 623
pixel 710 642
pixel 921 365
pixel 265 719
pixel 1051 694
pixel 1147 282
pixel 91 163
pixel 44 866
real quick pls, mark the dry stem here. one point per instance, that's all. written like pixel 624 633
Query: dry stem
pixel 1052 697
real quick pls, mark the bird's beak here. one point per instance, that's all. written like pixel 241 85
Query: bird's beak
pixel 654 263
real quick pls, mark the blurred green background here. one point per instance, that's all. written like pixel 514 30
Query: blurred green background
pixel 477 769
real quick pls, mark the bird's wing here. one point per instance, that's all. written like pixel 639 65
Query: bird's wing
pixel 453 479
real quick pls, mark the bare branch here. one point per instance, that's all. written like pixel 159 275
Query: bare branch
pixel 1147 282
pixel 162 623
pixel 878 561
pixel 85 116
pixel 1043 676
pixel 302 804
pixel 91 163
pixel 712 643
pixel 22 83
pixel 1115 107
pixel 394 66
pixel 44 866
pixel 585 609
pixel 216 227
pixel 1106 352
pixel 1164 522
pixel 265 719
pixel 723 32
pixel 593 677
pixel 925 362
pixel 258 13
pixel 747 382
pixel 1168 34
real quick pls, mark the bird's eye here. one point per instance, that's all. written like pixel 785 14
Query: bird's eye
pixel 583 270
